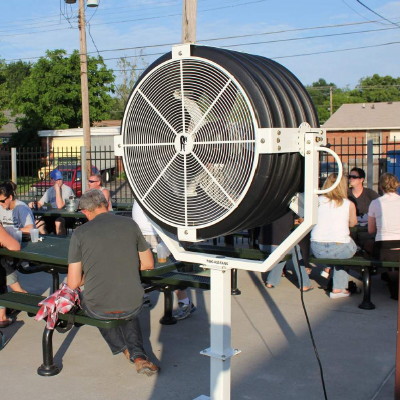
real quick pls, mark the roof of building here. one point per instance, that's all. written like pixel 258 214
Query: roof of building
pixel 364 116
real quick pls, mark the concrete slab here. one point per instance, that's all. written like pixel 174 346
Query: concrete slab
pixel 356 348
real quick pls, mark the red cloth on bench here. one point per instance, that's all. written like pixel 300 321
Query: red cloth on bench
pixel 61 301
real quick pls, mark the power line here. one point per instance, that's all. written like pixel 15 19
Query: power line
pixel 358 13
pixel 119 21
pixel 379 15
pixel 336 51
pixel 308 37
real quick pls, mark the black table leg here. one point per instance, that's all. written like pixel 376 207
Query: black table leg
pixel 366 304
pixel 167 318
pixel 234 289
pixel 48 368
pixel 56 281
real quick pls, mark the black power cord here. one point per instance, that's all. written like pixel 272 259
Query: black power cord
pixel 309 327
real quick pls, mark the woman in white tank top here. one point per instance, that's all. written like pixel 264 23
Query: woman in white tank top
pixel 330 237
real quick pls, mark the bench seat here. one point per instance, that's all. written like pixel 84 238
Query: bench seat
pixel 28 303
pixel 366 265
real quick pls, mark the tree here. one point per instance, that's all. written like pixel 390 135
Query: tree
pixel 3 94
pixel 14 74
pixel 50 97
pixel 377 88
pixel 320 94
pixel 128 77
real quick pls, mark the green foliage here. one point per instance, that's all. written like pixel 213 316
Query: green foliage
pixel 369 90
pixel 50 97
pixel 3 94
pixel 3 102
pixel 127 79
pixel 14 74
pixel 320 92
pixel 377 89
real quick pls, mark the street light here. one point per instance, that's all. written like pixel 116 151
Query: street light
pixel 84 81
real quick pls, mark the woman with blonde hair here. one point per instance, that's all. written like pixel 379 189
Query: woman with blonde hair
pixel 330 237
pixel 384 220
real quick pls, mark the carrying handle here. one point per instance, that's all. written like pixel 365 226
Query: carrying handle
pixel 340 170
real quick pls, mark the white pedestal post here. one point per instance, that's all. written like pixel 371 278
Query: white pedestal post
pixel 220 351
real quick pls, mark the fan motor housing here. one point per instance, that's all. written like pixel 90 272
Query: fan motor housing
pixel 191 140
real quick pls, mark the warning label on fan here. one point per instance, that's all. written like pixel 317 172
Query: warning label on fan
pixel 218 262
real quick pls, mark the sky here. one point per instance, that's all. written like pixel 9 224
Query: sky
pixel 340 41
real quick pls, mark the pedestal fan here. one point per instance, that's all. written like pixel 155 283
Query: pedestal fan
pixel 215 141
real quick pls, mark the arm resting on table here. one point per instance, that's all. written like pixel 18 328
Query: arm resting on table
pixel 146 260
pixel 8 241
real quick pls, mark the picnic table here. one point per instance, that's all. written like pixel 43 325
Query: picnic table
pixel 51 255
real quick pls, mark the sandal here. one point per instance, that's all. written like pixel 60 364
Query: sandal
pixel 269 286
pixel 307 289
pixel 7 322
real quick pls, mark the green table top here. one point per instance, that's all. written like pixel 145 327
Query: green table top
pixel 53 250
pixel 55 212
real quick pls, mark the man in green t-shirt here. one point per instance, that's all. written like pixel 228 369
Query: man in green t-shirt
pixel 105 255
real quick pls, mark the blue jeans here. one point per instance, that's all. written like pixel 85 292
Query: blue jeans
pixel 336 251
pixel 274 276
pixel 126 336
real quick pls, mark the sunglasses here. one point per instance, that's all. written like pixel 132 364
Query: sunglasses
pixel 3 201
pixel 354 177
pixel 92 181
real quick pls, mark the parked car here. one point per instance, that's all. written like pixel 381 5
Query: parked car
pixel 325 169
pixel 72 177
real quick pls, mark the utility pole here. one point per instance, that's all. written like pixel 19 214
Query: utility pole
pixel 189 14
pixel 84 86
pixel 331 99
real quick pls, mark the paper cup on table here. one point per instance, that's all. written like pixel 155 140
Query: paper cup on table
pixel 34 235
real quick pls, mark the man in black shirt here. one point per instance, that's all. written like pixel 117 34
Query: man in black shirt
pixel 358 194
pixel 105 255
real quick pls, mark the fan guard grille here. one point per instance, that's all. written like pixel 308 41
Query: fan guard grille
pixel 189 142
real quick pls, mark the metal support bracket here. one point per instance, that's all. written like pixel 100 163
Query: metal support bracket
pixel 287 140
pixel 223 357
pixel 118 145
pixel 181 51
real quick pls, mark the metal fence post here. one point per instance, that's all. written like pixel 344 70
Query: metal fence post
pixel 14 164
pixel 370 163
pixel 83 169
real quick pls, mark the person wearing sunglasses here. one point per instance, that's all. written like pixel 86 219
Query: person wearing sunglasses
pixel 10 243
pixel 14 214
pixel 96 182
pixel 360 195
pixel 56 195
pixel 362 198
